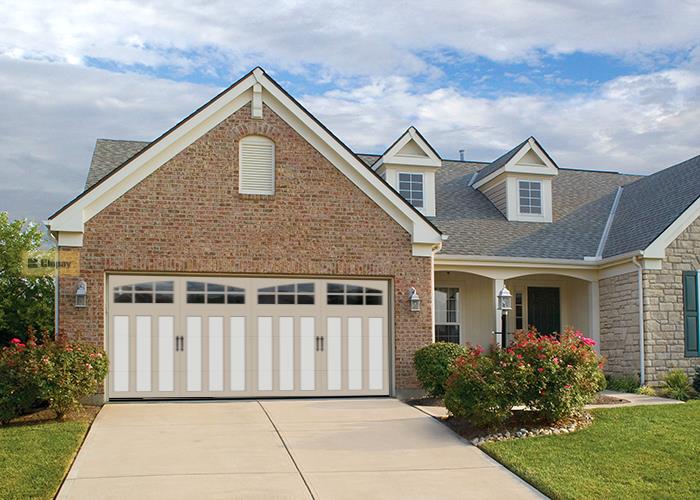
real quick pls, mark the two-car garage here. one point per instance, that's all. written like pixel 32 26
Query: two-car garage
pixel 240 337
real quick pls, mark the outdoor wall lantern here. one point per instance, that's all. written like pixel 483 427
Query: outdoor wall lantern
pixel 81 294
pixel 504 304
pixel 414 299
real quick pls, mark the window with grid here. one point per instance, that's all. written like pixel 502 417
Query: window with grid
pixel 530 193
pixel 447 315
pixel 411 188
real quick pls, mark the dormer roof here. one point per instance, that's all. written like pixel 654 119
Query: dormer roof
pixel 410 148
pixel 527 157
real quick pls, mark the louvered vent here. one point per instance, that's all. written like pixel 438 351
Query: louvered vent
pixel 257 165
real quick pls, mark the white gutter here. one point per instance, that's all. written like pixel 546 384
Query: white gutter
pixel 640 288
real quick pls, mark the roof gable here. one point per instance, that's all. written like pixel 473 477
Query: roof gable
pixel 254 86
pixel 527 157
pixel 410 148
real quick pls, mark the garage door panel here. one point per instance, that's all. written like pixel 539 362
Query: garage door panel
pixel 248 337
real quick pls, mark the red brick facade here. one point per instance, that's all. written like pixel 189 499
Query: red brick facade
pixel 188 217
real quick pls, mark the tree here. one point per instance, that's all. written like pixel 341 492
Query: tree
pixel 25 301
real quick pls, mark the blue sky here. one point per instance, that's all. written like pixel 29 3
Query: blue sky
pixel 609 85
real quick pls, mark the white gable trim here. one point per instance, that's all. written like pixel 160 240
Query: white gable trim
pixel 392 156
pixel 73 217
pixel 657 249
pixel 549 169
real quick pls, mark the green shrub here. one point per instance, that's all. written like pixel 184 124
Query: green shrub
pixel 19 390
pixel 645 390
pixel 59 374
pixel 70 371
pixel 625 383
pixel 433 363
pixel 479 390
pixel 553 377
pixel 677 385
pixel 696 380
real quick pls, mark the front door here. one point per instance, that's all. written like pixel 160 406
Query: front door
pixel 543 309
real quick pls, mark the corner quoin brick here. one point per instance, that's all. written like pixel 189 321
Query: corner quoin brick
pixel 188 217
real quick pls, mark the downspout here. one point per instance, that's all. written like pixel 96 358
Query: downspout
pixel 640 290
pixel 55 287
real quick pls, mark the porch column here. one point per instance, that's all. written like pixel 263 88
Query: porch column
pixel 593 313
pixel 497 286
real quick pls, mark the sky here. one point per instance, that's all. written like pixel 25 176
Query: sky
pixel 610 85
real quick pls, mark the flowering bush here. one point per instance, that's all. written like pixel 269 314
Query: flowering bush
pixel 433 363
pixel 18 390
pixel 553 377
pixel 479 389
pixel 558 376
pixel 59 373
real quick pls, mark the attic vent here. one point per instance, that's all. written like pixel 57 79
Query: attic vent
pixel 256 165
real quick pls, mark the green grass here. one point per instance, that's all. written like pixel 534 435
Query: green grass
pixel 635 452
pixel 35 457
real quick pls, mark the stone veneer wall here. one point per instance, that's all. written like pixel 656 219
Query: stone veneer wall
pixel 619 324
pixel 188 217
pixel 663 307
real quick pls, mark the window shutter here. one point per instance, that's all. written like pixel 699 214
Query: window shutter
pixel 256 165
pixel 690 313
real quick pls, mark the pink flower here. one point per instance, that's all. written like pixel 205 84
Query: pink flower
pixel 555 360
pixel 540 369
pixel 520 356
pixel 15 341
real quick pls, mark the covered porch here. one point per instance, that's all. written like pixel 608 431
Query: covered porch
pixel 547 298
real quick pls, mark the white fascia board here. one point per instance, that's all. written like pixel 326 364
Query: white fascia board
pixel 657 249
pixel 514 261
pixel 411 161
pixel 349 164
pixel 74 217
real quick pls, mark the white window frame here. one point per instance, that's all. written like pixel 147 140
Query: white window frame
pixel 458 315
pixel 410 200
pixel 520 198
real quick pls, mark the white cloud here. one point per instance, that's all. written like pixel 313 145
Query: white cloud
pixel 352 38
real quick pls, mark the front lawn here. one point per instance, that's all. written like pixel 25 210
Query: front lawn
pixel 35 454
pixel 634 452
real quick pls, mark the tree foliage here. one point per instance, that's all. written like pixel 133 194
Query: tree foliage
pixel 25 301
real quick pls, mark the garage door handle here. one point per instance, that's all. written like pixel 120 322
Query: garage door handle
pixel 321 343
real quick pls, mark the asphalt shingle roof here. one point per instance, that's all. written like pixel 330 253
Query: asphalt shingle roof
pixel 108 155
pixel 582 201
pixel 651 204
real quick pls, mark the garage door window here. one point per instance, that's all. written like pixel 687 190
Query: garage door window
pixel 159 292
pixel 339 294
pixel 295 293
pixel 199 292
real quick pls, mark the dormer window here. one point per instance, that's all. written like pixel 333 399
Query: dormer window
pixel 411 188
pixel 530 197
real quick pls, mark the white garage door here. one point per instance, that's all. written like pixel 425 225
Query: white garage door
pixel 203 336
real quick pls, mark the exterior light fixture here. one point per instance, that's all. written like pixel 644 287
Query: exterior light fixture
pixel 505 299
pixel 414 299
pixel 81 294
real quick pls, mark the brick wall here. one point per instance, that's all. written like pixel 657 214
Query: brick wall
pixel 619 324
pixel 663 307
pixel 188 217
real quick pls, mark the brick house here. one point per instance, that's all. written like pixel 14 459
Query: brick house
pixel 248 252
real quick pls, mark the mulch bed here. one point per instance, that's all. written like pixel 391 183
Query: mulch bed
pixel 603 399
pixel 86 413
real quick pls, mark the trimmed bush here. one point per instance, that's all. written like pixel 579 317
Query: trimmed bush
pixel 433 363
pixel 553 377
pixel 696 380
pixel 625 383
pixel 677 385
pixel 58 374
pixel 645 390
pixel 480 390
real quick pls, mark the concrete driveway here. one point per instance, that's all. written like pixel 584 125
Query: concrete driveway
pixel 323 449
